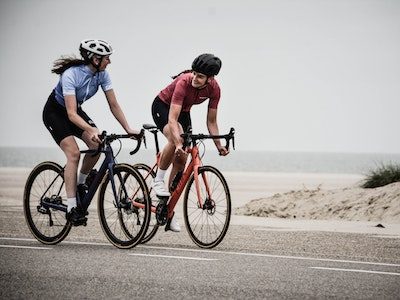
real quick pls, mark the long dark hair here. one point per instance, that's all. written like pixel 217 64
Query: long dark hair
pixel 65 62
pixel 183 72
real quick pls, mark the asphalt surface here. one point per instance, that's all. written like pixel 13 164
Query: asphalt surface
pixel 252 262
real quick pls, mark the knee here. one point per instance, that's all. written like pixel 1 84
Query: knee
pixel 180 160
pixel 73 156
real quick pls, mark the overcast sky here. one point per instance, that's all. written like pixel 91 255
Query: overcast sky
pixel 297 75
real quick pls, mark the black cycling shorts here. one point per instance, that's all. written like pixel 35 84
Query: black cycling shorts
pixel 160 111
pixel 56 120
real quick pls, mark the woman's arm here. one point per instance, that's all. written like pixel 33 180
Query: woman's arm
pixel 212 126
pixel 71 106
pixel 117 111
pixel 174 112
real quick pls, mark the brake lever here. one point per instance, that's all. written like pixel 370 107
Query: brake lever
pixel 228 137
pixel 101 137
pixel 140 138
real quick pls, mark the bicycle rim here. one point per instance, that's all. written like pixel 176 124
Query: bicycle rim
pixel 123 223
pixel 207 223
pixel 49 226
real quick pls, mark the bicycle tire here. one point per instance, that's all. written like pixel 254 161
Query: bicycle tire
pixel 153 225
pixel 48 226
pixel 207 225
pixel 123 224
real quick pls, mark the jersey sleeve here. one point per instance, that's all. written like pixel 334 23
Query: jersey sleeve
pixel 68 82
pixel 179 93
pixel 105 81
pixel 214 97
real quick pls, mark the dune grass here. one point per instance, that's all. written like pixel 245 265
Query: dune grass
pixel 383 175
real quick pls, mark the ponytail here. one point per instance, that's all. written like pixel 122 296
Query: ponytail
pixel 65 62
pixel 183 72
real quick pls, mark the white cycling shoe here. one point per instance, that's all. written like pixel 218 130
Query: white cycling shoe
pixel 173 225
pixel 160 189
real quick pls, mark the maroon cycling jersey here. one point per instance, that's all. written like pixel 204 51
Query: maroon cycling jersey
pixel 181 92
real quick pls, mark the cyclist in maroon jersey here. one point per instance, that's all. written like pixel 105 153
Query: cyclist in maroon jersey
pixel 171 113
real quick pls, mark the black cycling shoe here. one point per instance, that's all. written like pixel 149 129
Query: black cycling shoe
pixel 77 217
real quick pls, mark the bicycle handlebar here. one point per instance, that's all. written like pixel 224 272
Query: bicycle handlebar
pixel 189 138
pixel 108 139
pixel 140 138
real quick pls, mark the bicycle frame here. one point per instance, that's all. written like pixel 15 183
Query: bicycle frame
pixel 192 167
pixel 107 165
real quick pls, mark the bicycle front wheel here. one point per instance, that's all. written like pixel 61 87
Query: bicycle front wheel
pixel 44 188
pixel 124 212
pixel 208 213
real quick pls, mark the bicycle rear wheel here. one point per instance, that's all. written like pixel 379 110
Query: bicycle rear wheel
pixel 123 222
pixel 45 185
pixel 207 219
pixel 148 175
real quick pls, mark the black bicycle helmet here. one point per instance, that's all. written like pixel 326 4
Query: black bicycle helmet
pixel 207 64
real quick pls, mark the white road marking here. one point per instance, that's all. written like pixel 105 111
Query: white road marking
pixel 171 256
pixel 24 247
pixel 64 242
pixel 223 252
pixel 274 256
pixel 354 270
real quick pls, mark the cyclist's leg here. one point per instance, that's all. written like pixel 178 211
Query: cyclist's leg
pixel 160 112
pixel 184 122
pixel 71 151
pixel 177 165
pixel 63 130
pixel 168 155
pixel 89 161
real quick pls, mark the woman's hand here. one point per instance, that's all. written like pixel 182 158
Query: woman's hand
pixel 223 151
pixel 94 135
pixel 179 150
pixel 133 132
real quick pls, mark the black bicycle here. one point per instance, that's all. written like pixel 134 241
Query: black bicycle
pixel 121 187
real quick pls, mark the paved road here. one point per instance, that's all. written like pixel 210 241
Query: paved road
pixel 252 262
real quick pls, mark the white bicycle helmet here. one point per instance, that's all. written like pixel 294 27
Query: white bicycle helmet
pixel 90 47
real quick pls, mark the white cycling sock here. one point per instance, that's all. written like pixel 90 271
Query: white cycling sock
pixel 71 202
pixel 160 175
pixel 82 178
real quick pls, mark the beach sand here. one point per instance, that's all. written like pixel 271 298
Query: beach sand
pixel 351 203
pixel 327 202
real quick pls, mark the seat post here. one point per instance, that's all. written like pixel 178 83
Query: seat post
pixel 156 141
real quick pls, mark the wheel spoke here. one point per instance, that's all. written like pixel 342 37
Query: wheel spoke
pixel 45 181
pixel 207 225
pixel 122 222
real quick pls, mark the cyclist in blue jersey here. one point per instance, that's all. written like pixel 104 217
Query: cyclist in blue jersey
pixel 65 119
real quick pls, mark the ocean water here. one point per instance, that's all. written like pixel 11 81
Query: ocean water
pixel 243 161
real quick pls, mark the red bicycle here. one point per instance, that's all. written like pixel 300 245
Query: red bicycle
pixel 207 200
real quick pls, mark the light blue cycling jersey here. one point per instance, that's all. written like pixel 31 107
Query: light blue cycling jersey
pixel 81 82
